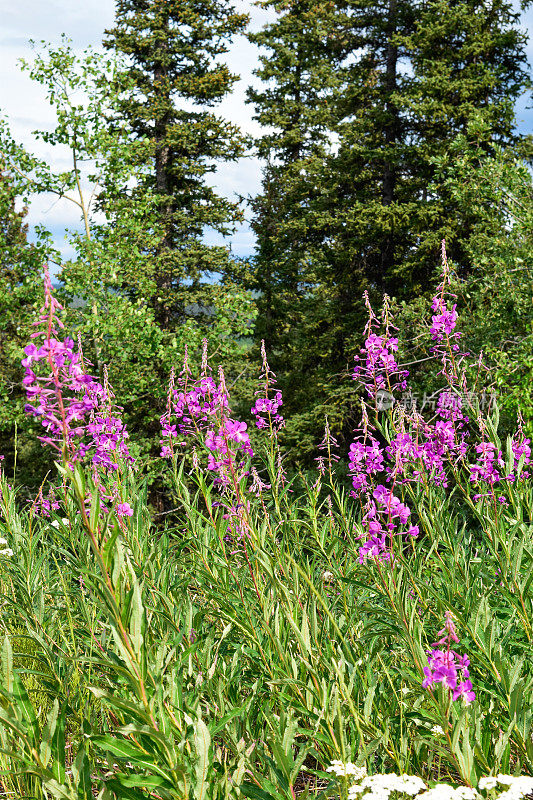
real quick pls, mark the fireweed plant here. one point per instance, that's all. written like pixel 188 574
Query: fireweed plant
pixel 260 633
pixel 75 410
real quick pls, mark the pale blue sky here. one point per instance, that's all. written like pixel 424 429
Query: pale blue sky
pixel 84 22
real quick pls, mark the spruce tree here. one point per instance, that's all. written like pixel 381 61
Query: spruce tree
pixel 426 69
pixel 301 53
pixel 408 77
pixel 176 76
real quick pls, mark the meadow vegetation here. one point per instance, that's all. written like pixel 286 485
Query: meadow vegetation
pixel 273 636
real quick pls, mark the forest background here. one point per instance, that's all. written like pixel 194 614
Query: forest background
pixel 380 128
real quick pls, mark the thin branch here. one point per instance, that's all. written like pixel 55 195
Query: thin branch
pixel 60 195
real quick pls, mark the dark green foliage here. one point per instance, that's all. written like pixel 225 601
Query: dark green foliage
pixel 302 69
pixel 176 79
pixel 495 299
pixel 358 203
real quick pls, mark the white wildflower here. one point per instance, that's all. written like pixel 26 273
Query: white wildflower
pixel 443 791
pixel 342 770
pixel 327 576
pixel 511 794
pixel 378 791
pixel 519 786
pixel 526 784
pixel 378 783
pixel 357 773
pixel 409 784
pixel 466 793
pixel 439 792
pixel 377 794
pixel 437 730
pixel 55 522
pixel 490 782
pixel 6 551
pixel 390 782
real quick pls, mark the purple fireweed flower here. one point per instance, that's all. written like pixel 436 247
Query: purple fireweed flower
pixel 266 407
pixel 444 321
pixel 266 410
pixel 464 690
pixel 447 675
pixel 376 367
pixel 448 633
pixel 450 407
pixel 237 525
pixel 74 408
pixel 490 462
pixel 385 515
pixel 446 667
pixel 198 409
pixel 329 445
pixel 44 505
pixel 425 449
pixel 463 662
pixel 231 431
pixel 391 504
pixel 281 473
pixel 216 442
pixel 521 447
pixel 191 408
pixel 236 431
pixel 124 510
pixel 428 678
pixel 321 466
pixel 443 329
pixel 257 484
pixel 365 460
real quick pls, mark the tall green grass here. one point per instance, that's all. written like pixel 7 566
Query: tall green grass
pixel 149 662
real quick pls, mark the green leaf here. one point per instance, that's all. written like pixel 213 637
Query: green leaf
pixel 45 750
pixel 139 757
pixel 137 620
pixel 7 664
pixel 202 742
pixel 59 791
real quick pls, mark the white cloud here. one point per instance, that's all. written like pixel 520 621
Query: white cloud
pixel 83 21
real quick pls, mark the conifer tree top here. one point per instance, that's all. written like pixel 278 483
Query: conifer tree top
pixel 181 39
